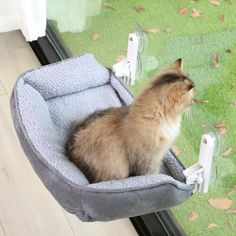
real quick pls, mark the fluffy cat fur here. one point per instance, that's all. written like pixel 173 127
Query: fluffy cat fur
pixel 129 141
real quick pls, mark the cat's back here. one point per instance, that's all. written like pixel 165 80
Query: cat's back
pixel 95 145
pixel 108 118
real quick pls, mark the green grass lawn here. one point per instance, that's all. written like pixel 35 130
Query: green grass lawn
pixel 195 40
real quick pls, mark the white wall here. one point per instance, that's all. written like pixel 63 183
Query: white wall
pixel 27 15
pixel 9 15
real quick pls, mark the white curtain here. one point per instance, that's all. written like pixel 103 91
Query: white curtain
pixel 33 19
pixel 27 15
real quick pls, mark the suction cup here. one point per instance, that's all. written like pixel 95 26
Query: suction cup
pixel 214 173
pixel 213 132
pixel 142 38
pixel 142 43
pixel 139 67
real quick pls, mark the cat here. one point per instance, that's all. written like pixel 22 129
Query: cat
pixel 129 141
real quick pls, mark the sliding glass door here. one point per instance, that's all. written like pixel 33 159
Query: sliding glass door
pixel 203 33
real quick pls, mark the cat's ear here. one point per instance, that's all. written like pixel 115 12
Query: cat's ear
pixel 179 63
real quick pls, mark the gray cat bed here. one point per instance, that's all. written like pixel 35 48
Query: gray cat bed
pixel 44 104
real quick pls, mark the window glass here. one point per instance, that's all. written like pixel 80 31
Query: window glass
pixel 203 33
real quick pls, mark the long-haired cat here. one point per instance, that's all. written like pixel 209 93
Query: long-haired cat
pixel 129 141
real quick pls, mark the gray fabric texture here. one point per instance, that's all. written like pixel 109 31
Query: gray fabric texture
pixel 44 104
pixel 57 80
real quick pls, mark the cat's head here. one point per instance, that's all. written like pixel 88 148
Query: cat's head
pixel 174 88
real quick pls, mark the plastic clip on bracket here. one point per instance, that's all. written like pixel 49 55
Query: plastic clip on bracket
pixel 199 174
pixel 128 66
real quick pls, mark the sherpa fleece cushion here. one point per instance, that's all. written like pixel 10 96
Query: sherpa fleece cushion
pixel 44 104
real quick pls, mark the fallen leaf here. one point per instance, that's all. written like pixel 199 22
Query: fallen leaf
pixel 168 30
pixel 222 131
pixel 196 13
pixel 176 150
pixel 152 30
pixel 220 125
pixel 201 101
pixel 183 10
pixel 216 60
pixel 139 8
pixel 221 128
pixel 192 216
pixel 108 5
pixel 212 225
pixel 231 224
pixel 231 211
pixel 120 58
pixel 228 50
pixel 94 36
pixel 221 203
pixel 231 192
pixel 227 151
pixel 221 18
pixel 214 2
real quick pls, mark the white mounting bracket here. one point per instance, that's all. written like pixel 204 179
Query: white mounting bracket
pixel 128 66
pixel 199 174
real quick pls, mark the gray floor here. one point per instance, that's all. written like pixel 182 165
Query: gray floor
pixel 26 207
